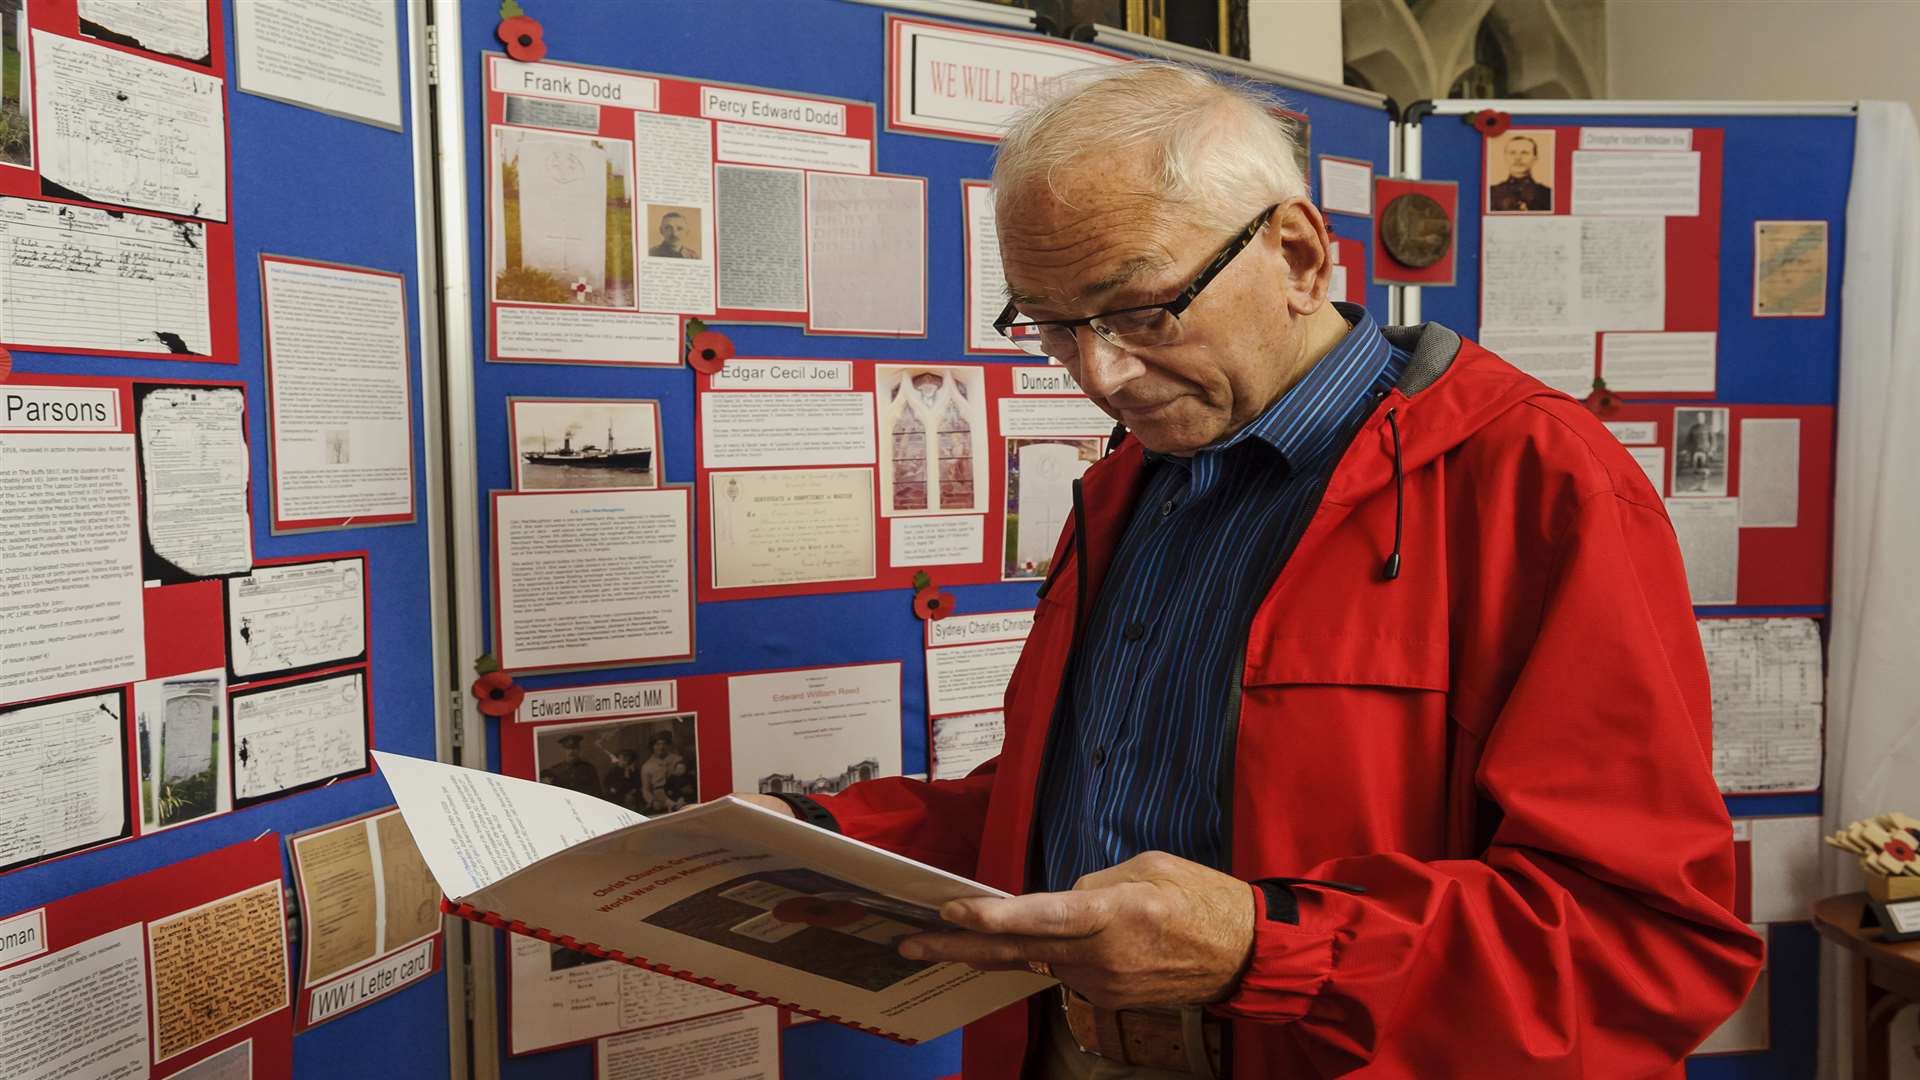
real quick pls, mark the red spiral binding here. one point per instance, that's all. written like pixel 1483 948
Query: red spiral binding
pixel 515 926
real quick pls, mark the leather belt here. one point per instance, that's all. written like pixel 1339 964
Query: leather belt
pixel 1186 1040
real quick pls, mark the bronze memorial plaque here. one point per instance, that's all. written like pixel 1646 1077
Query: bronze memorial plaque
pixel 1415 230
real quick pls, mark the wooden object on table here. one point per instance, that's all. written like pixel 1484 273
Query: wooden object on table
pixel 1883 978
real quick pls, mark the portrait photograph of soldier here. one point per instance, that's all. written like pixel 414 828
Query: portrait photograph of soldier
pixel 674 232
pixel 646 765
pixel 1520 173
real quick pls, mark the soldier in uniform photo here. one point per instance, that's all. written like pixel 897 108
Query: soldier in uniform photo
pixel 572 771
pixel 676 241
pixel 1520 192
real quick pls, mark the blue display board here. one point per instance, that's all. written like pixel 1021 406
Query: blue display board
pixel 1775 167
pixel 820 47
pixel 312 186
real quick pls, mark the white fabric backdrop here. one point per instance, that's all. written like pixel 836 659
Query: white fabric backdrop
pixel 1873 675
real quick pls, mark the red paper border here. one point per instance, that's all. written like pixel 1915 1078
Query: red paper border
pixel 171 889
pixel 1386 269
pixel 303 991
pixel 280 525
pixel 62 17
pixel 493 516
pixel 999 380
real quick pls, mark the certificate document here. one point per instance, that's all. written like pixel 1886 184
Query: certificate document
pixel 787 526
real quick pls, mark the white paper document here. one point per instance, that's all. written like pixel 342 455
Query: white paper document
pixel 1786 856
pixel 291 735
pixel 1670 362
pixel 1628 184
pixel 758 429
pixel 986 281
pixel 193 462
pixel 586 337
pixel 1563 359
pixel 117 128
pixel 867 254
pixel 740 1045
pixel 1709 535
pixel 1346 187
pixel 337 56
pixel 725 890
pixel 1653 461
pixel 78 277
pixel 791 526
pixel 62 777
pixel 72 610
pixel 1634 432
pixel 1546 273
pixel 760 215
pixel 298 615
pixel 172 29
pixel 816 729
pixel 342 406
pixel 1076 415
pixel 594 577
pixel 561 996
pixel 673 211
pixel 1769 472
pixel 1768 684
pixel 936 541
pixel 961 742
pixel 94 994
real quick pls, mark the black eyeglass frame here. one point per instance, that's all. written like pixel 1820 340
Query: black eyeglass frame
pixel 1010 315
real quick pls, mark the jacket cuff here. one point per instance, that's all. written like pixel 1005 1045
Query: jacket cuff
pixel 1287 970
pixel 809 810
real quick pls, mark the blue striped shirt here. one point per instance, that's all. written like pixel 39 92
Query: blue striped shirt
pixel 1147 716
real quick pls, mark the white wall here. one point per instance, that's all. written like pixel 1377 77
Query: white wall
pixel 1777 50
pixel 1299 37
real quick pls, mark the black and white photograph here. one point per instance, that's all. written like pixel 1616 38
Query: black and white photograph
pixel 647 765
pixel 1699 452
pixel 566 444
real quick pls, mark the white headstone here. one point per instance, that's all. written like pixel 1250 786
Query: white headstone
pixel 1047 473
pixel 186 738
pixel 563 209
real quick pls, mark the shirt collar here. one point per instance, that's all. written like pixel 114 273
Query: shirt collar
pixel 1311 407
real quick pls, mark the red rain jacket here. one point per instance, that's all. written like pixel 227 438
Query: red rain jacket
pixel 1509 746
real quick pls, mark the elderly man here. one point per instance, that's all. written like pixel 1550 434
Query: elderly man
pixel 1364 725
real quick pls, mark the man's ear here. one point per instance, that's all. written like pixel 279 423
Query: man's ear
pixel 1300 229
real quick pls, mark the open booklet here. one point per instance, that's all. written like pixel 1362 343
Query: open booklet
pixel 725 893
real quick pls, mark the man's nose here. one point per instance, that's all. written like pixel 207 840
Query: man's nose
pixel 1104 366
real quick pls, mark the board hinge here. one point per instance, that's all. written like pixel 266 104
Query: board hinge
pixel 456 726
pixel 433 55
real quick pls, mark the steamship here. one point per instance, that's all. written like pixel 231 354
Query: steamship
pixel 590 456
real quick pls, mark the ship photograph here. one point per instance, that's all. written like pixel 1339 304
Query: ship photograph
pixel 568 444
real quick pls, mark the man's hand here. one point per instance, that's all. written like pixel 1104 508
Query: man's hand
pixel 1155 930
pixel 778 806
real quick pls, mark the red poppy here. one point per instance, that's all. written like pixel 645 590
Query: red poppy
pixel 1899 849
pixel 1491 122
pixel 932 604
pixel 522 36
pixel 499 695
pixel 710 352
pixel 1602 402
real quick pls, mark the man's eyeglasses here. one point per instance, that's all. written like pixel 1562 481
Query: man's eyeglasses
pixel 1140 327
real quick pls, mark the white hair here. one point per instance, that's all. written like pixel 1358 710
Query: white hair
pixel 1221 151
